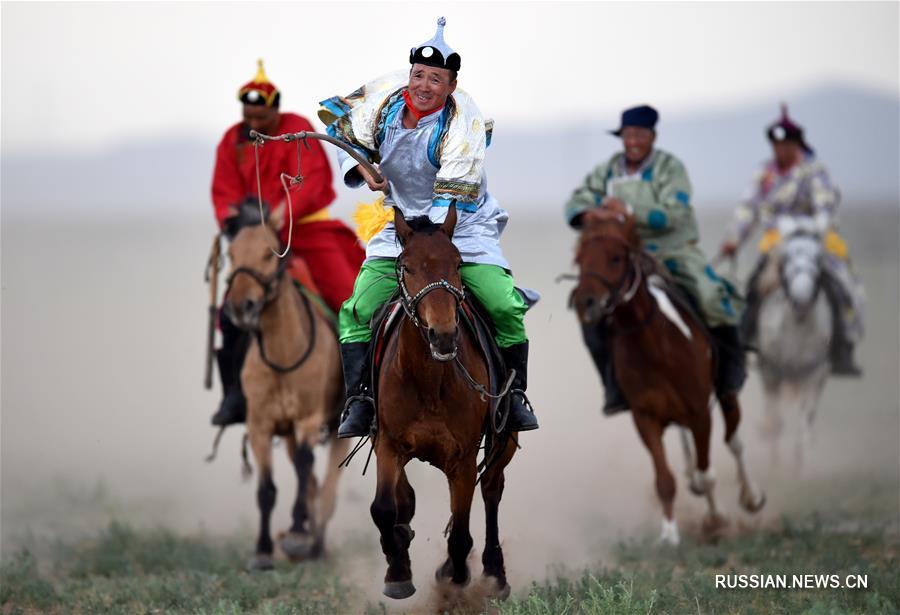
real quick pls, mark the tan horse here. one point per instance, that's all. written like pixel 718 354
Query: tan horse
pixel 293 383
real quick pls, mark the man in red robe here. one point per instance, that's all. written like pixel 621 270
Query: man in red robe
pixel 329 248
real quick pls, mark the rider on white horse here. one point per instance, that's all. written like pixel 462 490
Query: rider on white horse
pixel 795 183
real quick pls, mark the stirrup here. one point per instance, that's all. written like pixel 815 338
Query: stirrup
pixel 367 430
pixel 526 403
pixel 353 398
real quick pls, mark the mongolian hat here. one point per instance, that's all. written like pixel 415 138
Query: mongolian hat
pixel 259 91
pixel 435 52
pixel 644 116
pixel 785 129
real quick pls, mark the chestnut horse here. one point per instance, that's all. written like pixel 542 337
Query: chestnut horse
pixel 427 411
pixel 664 361
pixel 293 383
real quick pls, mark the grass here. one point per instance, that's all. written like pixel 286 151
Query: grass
pixel 125 570
pixel 155 571
pixel 652 579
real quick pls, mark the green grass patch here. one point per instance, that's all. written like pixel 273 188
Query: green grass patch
pixel 648 578
pixel 124 570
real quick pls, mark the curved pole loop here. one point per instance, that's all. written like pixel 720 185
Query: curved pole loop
pixel 303 135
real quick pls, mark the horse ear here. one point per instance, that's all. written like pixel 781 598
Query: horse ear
pixel 276 219
pixel 449 224
pixel 403 230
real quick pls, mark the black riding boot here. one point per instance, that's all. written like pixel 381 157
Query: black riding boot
pixel 359 411
pixel 751 311
pixel 731 368
pixel 521 414
pixel 230 358
pixel 597 340
pixel 841 351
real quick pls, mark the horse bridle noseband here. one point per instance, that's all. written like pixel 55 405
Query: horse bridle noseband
pixel 410 302
pixel 270 293
pixel 617 298
pixel 268 283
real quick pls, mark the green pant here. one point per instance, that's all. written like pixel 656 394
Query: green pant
pixel 714 295
pixel 491 285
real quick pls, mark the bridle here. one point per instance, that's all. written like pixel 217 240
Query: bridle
pixel 410 302
pixel 617 298
pixel 269 283
pixel 270 286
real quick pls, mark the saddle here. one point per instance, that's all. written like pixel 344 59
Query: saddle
pixel 659 277
pixel 472 316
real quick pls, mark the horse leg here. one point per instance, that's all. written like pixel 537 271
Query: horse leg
pixel 406 503
pixel 324 507
pixel 395 538
pixel 773 423
pixel 690 459
pixel 751 498
pixel 261 444
pixel 492 483
pixel 651 433
pixel 810 393
pixel 297 543
pixel 706 480
pixel 459 543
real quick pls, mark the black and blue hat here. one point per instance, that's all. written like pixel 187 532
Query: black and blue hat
pixel 436 52
pixel 644 116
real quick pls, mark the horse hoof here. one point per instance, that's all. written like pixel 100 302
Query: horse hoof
pixel 444 574
pixel 498 592
pixel 398 590
pixel 748 504
pixel 261 561
pixel 299 547
pixel 669 535
pixel 714 523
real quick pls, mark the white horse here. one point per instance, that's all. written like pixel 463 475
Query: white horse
pixel 794 332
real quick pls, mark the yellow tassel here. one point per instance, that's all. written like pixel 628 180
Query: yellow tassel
pixel 260 73
pixel 769 240
pixel 836 245
pixel 371 218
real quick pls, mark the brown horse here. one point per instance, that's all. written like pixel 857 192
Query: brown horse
pixel 427 411
pixel 293 383
pixel 664 361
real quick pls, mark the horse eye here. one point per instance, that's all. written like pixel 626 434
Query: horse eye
pixel 615 260
pixel 268 257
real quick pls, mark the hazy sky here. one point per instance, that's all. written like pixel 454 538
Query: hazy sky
pixel 91 75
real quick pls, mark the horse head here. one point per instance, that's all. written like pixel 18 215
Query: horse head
pixel 608 258
pixel 430 262
pixel 800 256
pixel 256 271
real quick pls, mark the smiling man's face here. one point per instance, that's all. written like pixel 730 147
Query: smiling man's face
pixel 638 143
pixel 429 87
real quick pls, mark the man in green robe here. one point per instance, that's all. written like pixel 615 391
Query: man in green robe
pixel 653 186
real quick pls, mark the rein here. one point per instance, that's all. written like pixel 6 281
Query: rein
pixel 270 293
pixel 617 298
pixel 287 181
pixel 410 304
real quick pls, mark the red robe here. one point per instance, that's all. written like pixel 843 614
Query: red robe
pixel 329 247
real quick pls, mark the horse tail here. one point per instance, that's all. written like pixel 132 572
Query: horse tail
pixel 328 494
